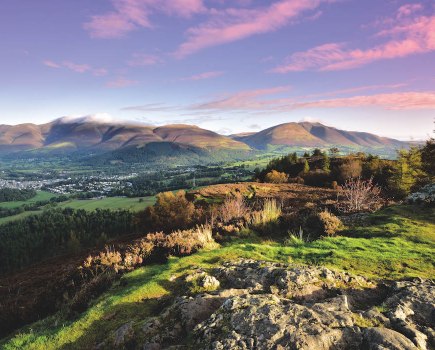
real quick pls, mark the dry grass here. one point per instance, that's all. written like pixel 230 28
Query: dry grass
pixel 270 212
pixel 233 208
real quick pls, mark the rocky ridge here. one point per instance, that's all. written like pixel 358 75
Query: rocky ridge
pixel 261 305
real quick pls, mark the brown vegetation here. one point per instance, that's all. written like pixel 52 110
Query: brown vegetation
pixel 358 195
pixel 276 177
pixel 171 212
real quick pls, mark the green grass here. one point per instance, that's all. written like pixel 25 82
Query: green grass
pixel 40 196
pixel 399 243
pixel 109 203
pixel 23 215
pixel 114 203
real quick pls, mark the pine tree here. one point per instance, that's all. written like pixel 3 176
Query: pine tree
pixel 306 167
pixel 326 163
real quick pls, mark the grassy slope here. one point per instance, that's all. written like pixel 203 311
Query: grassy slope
pixel 132 204
pixel 399 243
pixel 110 203
pixel 20 216
pixel 40 196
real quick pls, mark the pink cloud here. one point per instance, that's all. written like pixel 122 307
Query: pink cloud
pixel 408 9
pixel 245 100
pixel 75 67
pixel 51 64
pixel 129 15
pixel 140 59
pixel 235 24
pixel 205 75
pixel 254 100
pixel 100 72
pixel 78 68
pixel 391 101
pixel 121 83
pixel 411 37
pixel 357 89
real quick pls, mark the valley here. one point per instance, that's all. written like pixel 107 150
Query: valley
pixel 98 249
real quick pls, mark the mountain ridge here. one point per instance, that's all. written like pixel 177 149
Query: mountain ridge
pixel 67 134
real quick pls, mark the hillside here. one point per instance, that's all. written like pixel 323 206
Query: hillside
pixel 337 288
pixel 89 134
pixel 314 135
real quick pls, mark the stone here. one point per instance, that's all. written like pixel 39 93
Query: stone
pixel 123 334
pixel 263 305
pixel 384 338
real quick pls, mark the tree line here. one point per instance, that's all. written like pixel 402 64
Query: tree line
pixel 412 169
pixel 15 194
pixel 55 231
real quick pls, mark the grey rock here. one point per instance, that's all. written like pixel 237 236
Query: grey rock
pixel 263 305
pixel 123 334
pixel 384 338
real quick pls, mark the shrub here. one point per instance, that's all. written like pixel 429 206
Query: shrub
pixel 323 224
pixel 109 259
pixel 137 253
pixel 350 169
pixel 317 178
pixel 90 290
pixel 189 241
pixel 357 195
pixel 276 177
pixel 233 208
pixel 171 212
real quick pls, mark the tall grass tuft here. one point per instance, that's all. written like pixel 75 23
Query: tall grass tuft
pixel 270 212
pixel 233 208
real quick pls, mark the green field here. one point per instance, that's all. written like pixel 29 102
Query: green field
pixel 40 196
pixel 133 204
pixel 399 242
pixel 23 215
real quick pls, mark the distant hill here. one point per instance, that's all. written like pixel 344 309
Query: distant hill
pixel 80 134
pixel 102 140
pixel 314 135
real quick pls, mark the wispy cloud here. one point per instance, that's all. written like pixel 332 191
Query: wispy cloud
pixel 121 82
pixel 51 64
pixel 150 107
pixel 256 101
pixel 229 22
pixel 142 59
pixel 408 9
pixel 76 67
pixel 411 100
pixel 357 89
pixel 407 34
pixel 205 75
pixel 233 24
pixel 245 100
pixel 130 15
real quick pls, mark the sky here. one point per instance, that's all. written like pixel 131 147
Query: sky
pixel 226 65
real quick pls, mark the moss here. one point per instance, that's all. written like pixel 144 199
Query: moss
pixel 364 322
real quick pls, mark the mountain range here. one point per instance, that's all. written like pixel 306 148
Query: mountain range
pixel 67 135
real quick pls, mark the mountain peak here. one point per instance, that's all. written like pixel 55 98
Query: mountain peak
pixel 98 118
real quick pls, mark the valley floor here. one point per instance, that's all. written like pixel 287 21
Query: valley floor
pixel 395 243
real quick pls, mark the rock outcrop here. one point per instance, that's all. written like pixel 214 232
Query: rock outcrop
pixel 262 305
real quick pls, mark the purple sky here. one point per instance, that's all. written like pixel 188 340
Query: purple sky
pixel 225 65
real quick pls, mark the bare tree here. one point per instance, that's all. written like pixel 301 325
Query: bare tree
pixel 233 208
pixel 357 195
